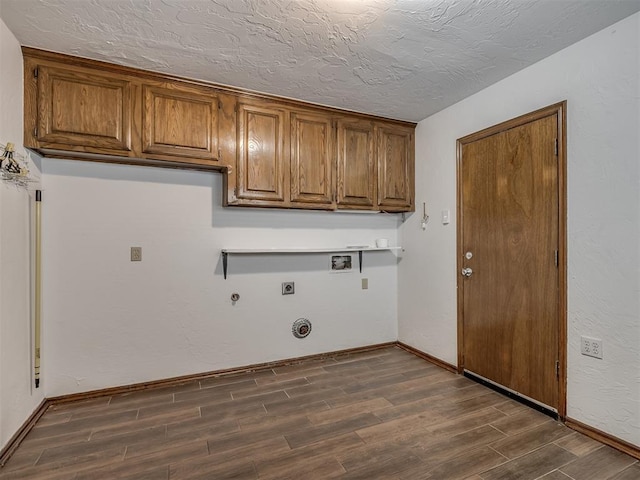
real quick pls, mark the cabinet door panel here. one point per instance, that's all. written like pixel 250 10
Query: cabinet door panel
pixel 395 167
pixel 84 109
pixel 356 164
pixel 180 122
pixel 311 159
pixel 261 163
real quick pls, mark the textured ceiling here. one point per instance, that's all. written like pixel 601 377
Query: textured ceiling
pixel 404 59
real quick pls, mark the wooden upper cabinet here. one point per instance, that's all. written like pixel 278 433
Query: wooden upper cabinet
pixel 180 121
pixel 312 159
pixel 274 152
pixel 395 153
pixel 261 163
pixel 81 108
pixel 356 169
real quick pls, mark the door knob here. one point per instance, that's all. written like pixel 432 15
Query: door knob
pixel 467 272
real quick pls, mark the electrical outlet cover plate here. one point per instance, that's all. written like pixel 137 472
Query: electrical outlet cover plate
pixel 136 254
pixel 288 288
pixel 592 347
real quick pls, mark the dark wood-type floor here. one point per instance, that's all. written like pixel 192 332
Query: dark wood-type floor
pixel 383 414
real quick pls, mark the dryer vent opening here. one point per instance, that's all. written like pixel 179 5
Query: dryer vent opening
pixel 301 328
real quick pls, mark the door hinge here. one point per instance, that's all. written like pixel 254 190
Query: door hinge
pixel 556 147
pixel 556 258
pixel 557 369
pixel 35 72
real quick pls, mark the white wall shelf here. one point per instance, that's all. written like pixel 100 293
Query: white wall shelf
pixel 289 250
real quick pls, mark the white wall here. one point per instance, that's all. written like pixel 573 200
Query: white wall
pixel 108 321
pixel 600 78
pixel 17 400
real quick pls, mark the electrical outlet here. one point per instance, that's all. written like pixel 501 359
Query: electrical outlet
pixel 136 254
pixel 288 288
pixel 365 283
pixel 591 347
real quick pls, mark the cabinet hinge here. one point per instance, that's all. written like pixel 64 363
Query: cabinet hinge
pixel 556 147
pixel 35 72
pixel 556 258
pixel 557 369
pixel 35 132
pixel 219 104
pixel 219 154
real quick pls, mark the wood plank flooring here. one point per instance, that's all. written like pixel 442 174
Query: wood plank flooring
pixel 383 414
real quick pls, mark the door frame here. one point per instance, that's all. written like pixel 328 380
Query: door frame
pixel 559 109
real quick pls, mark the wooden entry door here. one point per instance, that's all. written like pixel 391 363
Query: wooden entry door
pixel 511 255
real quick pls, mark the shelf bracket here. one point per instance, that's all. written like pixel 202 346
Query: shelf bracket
pixel 360 259
pixel 224 264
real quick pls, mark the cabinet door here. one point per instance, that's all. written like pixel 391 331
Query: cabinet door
pixel 180 121
pixel 260 150
pixel 81 108
pixel 312 154
pixel 395 155
pixel 356 164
